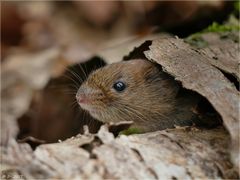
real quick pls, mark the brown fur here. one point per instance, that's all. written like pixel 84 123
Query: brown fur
pixel 150 98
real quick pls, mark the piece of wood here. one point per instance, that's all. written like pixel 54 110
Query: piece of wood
pixel 194 70
pixel 182 153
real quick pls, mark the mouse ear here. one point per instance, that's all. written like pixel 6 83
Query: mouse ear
pixel 140 64
pixel 142 67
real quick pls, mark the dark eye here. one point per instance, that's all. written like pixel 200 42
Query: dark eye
pixel 119 86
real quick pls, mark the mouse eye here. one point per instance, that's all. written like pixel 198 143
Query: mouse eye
pixel 119 86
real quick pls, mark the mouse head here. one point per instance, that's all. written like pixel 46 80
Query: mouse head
pixel 123 91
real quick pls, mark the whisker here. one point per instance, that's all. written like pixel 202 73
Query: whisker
pixel 87 71
pixel 79 78
pixel 76 75
pixel 75 83
pixel 134 112
pixel 158 113
pixel 74 104
pixel 67 91
pixel 82 70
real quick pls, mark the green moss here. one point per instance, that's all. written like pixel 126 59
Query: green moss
pixel 233 36
pixel 215 27
pixel 232 24
pixel 131 131
pixel 225 30
pixel 237 6
pixel 196 40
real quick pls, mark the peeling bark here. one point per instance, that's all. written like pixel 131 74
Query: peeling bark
pixel 176 153
pixel 195 72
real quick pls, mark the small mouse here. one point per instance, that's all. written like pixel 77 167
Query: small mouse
pixel 139 91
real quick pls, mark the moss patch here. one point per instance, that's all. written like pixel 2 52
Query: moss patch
pixel 237 6
pixel 130 131
pixel 215 27
pixel 225 30
pixel 196 40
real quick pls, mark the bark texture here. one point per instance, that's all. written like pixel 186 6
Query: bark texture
pixel 177 153
pixel 196 71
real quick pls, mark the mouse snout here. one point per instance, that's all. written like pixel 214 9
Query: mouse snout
pixel 81 97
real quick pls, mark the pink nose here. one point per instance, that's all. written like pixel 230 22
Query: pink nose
pixel 81 98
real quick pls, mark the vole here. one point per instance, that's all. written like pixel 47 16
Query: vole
pixel 136 90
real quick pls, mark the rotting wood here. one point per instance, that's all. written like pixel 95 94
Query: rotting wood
pixel 177 153
pixel 194 71
pixel 223 52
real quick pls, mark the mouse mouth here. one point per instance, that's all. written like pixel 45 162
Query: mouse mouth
pixel 87 103
pixel 86 106
pixel 90 108
pixel 94 112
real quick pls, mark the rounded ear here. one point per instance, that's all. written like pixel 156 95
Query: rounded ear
pixel 141 65
pixel 140 62
pixel 143 69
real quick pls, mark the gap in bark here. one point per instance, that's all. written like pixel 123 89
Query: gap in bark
pixel 138 52
pixel 116 128
pixel 206 115
pixel 90 146
pixel 54 113
pixel 140 158
pixel 232 79
pixel 33 142
pixel 138 155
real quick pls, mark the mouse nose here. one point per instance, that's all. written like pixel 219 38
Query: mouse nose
pixel 81 98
